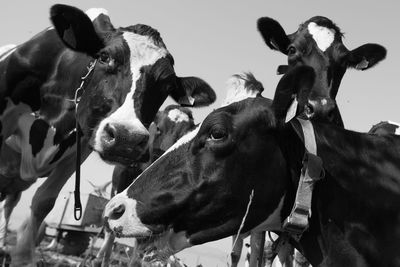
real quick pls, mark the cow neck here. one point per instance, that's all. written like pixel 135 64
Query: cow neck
pixel 77 98
pixel 301 133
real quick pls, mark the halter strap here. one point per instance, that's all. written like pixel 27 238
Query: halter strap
pixel 77 98
pixel 312 171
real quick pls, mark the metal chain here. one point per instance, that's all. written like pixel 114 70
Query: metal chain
pixel 77 99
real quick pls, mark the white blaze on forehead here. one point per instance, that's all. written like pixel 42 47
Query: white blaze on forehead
pixel 93 13
pixel 143 52
pixel 6 50
pixel 323 36
pixel 237 91
pixel 177 115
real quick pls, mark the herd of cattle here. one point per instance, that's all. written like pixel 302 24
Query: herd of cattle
pixel 178 184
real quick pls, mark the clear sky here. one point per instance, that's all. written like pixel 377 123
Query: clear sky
pixel 214 39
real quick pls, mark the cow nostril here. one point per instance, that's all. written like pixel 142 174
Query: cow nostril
pixel 110 132
pixel 117 212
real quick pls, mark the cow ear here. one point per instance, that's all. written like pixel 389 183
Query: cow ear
pixel 273 34
pixel 292 92
pixel 365 56
pixel 75 29
pixel 193 91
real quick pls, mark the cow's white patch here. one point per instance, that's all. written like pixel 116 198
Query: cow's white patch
pixel 3 224
pixel 323 36
pixel 10 116
pixel 6 50
pixel 273 222
pixel 177 115
pixel 32 166
pixel 130 222
pixel 237 91
pixel 143 52
pixel 291 113
pixel 93 13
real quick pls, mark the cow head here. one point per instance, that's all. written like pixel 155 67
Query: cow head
pixel 168 127
pixel 133 76
pixel 318 43
pixel 199 189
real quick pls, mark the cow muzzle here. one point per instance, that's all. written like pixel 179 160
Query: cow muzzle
pixel 120 216
pixel 118 143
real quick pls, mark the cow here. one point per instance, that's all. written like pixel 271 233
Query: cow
pixel 83 72
pixel 240 170
pixel 318 43
pixel 168 126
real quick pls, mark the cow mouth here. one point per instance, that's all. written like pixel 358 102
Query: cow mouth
pixel 125 159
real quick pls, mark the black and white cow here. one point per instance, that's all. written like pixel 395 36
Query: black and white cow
pixel 318 43
pixel 168 126
pixel 199 190
pixel 131 75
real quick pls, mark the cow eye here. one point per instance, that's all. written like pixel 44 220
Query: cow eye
pixel 217 134
pixel 291 50
pixel 104 57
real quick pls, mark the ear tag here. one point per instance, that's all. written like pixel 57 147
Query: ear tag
pixel 291 113
pixel 187 100
pixel 363 64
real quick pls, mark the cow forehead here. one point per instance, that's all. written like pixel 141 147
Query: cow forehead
pixel 176 115
pixel 323 36
pixel 143 50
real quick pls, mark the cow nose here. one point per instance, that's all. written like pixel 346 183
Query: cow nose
pixel 117 212
pixel 110 133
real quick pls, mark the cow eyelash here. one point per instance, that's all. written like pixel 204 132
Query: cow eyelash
pixel 217 134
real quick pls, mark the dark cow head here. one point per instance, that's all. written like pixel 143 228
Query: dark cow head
pixel 198 190
pixel 169 125
pixel 318 43
pixel 133 76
